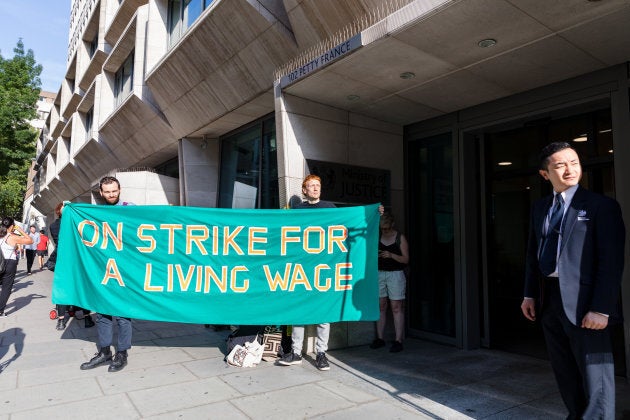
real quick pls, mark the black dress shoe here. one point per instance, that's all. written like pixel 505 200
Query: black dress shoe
pixel 118 362
pixel 89 323
pixel 100 358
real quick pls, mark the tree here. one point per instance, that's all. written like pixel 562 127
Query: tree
pixel 11 197
pixel 19 91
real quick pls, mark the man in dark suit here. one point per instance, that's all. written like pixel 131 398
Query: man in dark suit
pixel 572 277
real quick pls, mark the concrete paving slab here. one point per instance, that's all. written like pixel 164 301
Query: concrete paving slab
pixel 97 408
pixel 302 401
pixel 265 378
pixel 220 410
pixel 374 410
pixel 133 380
pixel 170 398
pixel 47 395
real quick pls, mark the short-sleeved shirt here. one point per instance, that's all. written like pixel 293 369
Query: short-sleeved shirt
pixel 43 243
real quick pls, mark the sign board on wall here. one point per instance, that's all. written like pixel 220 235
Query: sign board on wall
pixel 322 60
pixel 352 184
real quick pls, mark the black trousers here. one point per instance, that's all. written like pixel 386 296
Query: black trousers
pixel 582 361
pixel 30 257
pixel 6 280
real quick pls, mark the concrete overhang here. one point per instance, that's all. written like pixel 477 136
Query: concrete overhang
pixel 67 130
pixel 230 54
pixel 135 131
pixel 91 30
pixel 71 107
pixel 123 47
pixel 72 67
pixel 93 69
pixel 59 189
pixel 75 181
pixel 94 160
pixel 58 128
pixel 425 59
pixel 45 201
pixel 123 15
pixel 57 100
pixel 88 99
pixel 252 110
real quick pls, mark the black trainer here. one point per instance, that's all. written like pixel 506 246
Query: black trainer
pixel 396 347
pixel 89 323
pixel 61 324
pixel 290 359
pixel 119 361
pixel 322 362
pixel 103 356
pixel 377 343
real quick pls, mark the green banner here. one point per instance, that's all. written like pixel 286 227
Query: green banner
pixel 220 266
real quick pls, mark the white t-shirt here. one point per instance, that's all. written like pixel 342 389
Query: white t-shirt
pixel 8 251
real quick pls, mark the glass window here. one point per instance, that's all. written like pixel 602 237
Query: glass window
pixel 174 21
pixel 123 80
pixel 249 169
pixel 181 15
pixel 93 46
pixel 192 10
pixel 89 117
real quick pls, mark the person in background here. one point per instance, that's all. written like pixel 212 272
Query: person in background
pixel 31 248
pixel 63 310
pixel 109 188
pixel 42 248
pixel 574 264
pixel 11 235
pixel 393 256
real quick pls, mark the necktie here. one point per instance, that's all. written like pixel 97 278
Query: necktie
pixel 549 252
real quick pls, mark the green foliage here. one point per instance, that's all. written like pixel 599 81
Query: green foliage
pixel 19 91
pixel 11 196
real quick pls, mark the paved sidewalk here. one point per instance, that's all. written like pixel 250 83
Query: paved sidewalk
pixel 177 371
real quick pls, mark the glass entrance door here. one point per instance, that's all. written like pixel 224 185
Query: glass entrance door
pixel 432 294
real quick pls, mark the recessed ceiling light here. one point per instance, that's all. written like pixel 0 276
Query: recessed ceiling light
pixel 610 151
pixel 353 97
pixel 505 163
pixel 608 130
pixel 488 42
pixel 581 138
pixel 407 75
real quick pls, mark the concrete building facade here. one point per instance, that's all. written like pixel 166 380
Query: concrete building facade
pixel 436 108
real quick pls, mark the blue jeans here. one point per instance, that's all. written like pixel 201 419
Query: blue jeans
pixel 105 330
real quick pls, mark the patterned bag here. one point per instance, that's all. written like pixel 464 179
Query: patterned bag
pixel 272 343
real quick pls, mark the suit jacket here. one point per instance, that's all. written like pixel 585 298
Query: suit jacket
pixel 590 262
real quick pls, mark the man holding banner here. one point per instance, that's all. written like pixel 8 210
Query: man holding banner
pixel 311 189
pixel 109 188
